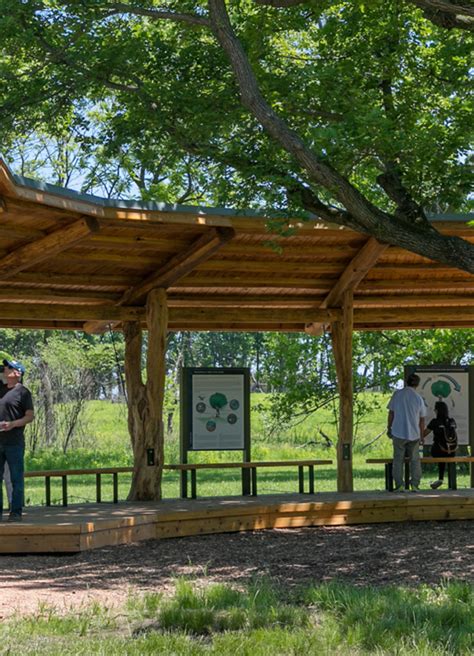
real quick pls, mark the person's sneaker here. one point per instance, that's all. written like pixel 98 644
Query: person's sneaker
pixel 14 517
pixel 436 484
pixel 415 488
pixel 400 488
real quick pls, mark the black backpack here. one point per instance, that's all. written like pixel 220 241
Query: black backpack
pixel 450 435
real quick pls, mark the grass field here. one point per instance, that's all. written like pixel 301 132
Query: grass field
pixel 105 443
pixel 258 620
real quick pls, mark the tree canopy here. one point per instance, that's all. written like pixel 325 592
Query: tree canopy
pixel 358 112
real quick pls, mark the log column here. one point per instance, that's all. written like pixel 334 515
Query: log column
pixel 341 333
pixel 145 400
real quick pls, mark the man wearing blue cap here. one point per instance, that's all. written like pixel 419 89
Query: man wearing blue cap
pixel 16 410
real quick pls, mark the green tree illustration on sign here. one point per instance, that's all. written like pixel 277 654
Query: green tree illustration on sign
pixel 218 401
pixel 441 389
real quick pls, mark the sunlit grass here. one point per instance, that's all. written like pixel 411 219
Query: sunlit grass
pixel 258 619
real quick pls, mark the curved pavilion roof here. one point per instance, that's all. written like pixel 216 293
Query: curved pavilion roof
pixel 74 261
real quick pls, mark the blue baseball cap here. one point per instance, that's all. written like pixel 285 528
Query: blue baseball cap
pixel 13 364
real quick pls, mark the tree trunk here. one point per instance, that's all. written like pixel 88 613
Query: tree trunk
pixel 341 333
pixel 145 401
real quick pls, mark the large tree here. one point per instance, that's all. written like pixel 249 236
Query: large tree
pixel 356 111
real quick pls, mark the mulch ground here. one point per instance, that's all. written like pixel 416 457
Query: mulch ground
pixel 379 554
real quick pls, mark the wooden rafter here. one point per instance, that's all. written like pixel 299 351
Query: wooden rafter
pixel 177 267
pixel 37 280
pixel 352 275
pixel 46 247
pixel 180 265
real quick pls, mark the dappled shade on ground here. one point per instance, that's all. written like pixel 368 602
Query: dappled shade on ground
pixel 401 553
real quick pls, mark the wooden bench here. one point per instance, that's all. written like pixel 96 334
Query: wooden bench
pixel 249 473
pixel 48 474
pixel 248 469
pixel 451 467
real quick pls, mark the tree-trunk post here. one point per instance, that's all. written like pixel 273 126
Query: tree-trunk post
pixel 145 401
pixel 341 332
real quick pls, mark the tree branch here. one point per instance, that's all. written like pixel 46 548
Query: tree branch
pixel 448 14
pixel 280 3
pixel 391 181
pixel 114 8
pixel 443 13
pixel 361 214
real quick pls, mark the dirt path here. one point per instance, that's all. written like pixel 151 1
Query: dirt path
pixel 405 553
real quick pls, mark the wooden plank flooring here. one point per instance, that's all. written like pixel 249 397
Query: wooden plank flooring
pixel 89 526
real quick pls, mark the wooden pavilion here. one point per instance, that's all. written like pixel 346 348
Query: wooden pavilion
pixel 71 261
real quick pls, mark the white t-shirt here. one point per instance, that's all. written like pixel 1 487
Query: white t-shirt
pixel 408 407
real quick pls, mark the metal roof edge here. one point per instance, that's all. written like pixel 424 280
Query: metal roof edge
pixel 198 210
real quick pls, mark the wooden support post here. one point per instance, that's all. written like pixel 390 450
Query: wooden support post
pixel 341 334
pixel 145 401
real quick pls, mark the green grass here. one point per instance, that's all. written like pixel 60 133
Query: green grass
pixel 105 443
pixel 258 620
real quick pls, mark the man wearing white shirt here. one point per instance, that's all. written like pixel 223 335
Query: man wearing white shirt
pixel 406 425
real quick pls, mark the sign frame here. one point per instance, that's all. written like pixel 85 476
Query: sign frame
pixel 188 426
pixel 440 369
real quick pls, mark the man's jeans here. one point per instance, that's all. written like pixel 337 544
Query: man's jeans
pixel 399 447
pixel 14 456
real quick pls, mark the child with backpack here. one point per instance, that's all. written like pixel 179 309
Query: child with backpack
pixel 445 439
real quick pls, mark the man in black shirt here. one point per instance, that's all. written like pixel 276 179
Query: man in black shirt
pixel 16 410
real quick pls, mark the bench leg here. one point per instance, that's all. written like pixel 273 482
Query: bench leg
pixel 389 477
pixel 452 480
pixel 64 490
pixel 246 482
pixel 115 487
pixel 184 484
pixel 311 478
pixel 253 472
pixel 407 476
pixel 47 483
pixel 301 479
pixel 98 488
pixel 193 484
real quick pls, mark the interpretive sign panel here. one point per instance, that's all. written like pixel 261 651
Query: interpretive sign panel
pixel 215 409
pixel 453 385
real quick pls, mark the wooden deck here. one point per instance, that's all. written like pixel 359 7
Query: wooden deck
pixel 81 527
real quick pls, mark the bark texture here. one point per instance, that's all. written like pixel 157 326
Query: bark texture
pixel 341 334
pixel 145 400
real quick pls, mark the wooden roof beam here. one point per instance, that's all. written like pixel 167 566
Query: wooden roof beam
pixel 46 247
pixel 51 295
pixel 180 265
pixel 352 275
pixel 175 269
pixel 69 312
pixel 251 315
